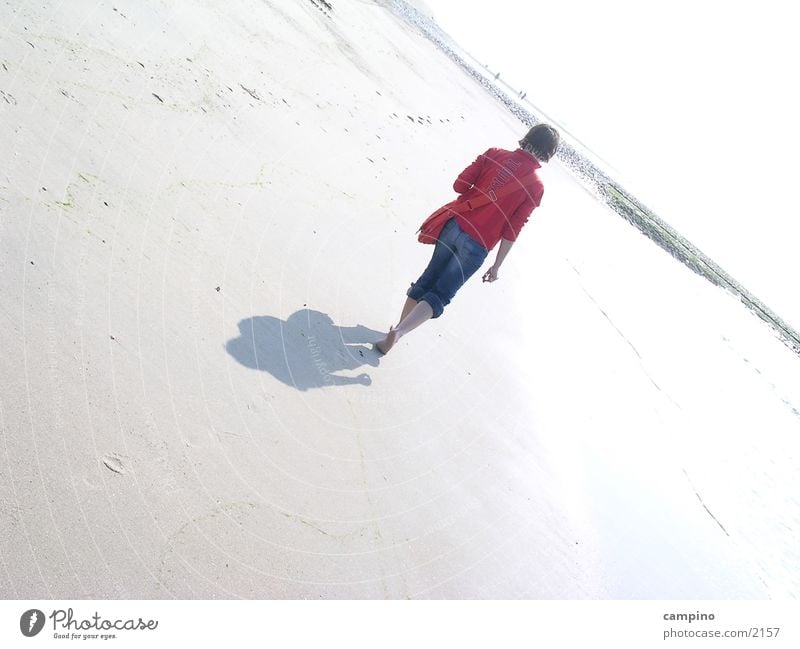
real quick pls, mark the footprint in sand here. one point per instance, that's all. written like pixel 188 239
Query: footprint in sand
pixel 114 463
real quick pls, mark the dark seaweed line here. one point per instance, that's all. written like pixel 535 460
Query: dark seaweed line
pixel 684 251
pixel 611 192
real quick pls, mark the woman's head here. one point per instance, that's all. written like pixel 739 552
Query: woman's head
pixel 542 141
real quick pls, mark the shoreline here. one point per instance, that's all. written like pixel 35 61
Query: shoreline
pixel 612 192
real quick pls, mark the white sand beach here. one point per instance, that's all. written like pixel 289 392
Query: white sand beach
pixel 208 214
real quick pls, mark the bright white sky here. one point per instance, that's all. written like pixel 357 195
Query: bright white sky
pixel 693 102
pixel 624 59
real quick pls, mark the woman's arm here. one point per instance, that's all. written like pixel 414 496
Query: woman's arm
pixel 491 274
pixel 511 231
pixel 467 178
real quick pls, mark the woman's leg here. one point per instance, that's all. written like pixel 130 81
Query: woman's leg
pixel 466 259
pixel 442 254
pixel 422 312
pixel 410 304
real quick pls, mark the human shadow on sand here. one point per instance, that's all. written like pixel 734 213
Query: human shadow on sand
pixel 305 350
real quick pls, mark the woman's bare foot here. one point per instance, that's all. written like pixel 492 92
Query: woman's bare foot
pixel 387 343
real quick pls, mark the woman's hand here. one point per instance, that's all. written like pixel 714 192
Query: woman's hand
pixel 491 274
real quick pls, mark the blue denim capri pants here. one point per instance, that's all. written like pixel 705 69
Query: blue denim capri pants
pixel 455 259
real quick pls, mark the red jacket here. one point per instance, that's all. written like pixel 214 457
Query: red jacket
pixel 505 218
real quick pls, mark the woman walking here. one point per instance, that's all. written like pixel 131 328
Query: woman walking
pixel 497 194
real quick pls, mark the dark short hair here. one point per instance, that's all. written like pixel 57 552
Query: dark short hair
pixel 543 140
